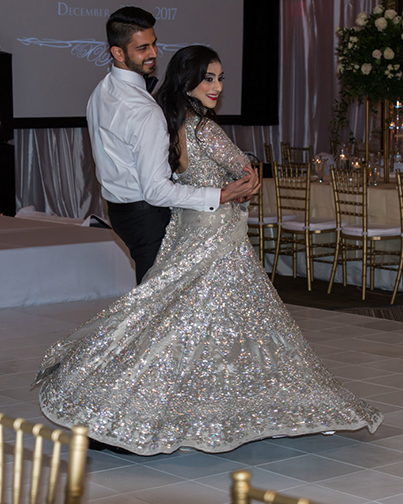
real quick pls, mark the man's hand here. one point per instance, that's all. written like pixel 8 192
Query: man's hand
pixel 243 188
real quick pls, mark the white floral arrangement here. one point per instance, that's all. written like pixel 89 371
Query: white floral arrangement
pixel 370 61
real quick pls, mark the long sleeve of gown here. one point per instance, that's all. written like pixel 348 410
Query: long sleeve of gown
pixel 218 147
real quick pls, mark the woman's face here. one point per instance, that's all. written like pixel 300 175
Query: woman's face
pixel 210 88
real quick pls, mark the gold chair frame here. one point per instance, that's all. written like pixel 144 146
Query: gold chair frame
pixel 289 180
pixel 242 492
pixel 285 154
pixel 351 200
pixel 296 155
pixel 76 440
pixel 268 151
pixel 264 220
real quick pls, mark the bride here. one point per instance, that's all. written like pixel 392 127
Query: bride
pixel 203 353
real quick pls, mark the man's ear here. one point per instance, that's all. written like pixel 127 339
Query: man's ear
pixel 118 54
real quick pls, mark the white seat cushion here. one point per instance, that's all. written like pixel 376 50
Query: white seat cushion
pixel 316 224
pixel 268 218
pixel 373 230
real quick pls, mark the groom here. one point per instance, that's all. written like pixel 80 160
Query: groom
pixel 130 145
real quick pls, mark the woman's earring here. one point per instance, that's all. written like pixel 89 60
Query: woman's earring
pixel 188 93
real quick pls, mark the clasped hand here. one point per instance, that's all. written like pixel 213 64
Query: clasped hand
pixel 242 189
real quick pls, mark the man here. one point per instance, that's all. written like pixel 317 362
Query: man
pixel 130 144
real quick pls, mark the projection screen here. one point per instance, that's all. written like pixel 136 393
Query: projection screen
pixel 60 52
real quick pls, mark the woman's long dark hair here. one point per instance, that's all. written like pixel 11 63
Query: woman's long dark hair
pixel 185 71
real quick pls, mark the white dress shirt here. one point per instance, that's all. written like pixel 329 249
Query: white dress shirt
pixel 130 145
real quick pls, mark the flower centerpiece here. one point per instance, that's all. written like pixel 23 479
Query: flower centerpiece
pixel 370 62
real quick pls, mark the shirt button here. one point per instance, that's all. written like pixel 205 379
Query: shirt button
pixel 211 208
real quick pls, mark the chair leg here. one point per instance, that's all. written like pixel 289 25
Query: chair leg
pixel 308 258
pixel 399 274
pixel 279 233
pixel 311 245
pixel 335 261
pixel 344 259
pixel 371 264
pixel 294 255
pixel 364 266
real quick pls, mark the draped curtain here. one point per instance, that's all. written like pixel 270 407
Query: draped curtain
pixel 308 83
pixel 54 167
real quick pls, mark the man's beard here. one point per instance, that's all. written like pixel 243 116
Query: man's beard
pixel 135 67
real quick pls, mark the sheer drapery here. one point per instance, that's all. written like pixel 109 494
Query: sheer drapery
pixel 308 83
pixel 55 170
pixel 56 173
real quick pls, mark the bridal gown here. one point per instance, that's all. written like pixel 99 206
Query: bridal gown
pixel 203 353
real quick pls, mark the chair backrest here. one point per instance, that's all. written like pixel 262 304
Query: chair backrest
pixel 293 187
pixel 350 195
pixel 268 151
pixel 285 154
pixel 296 155
pixel 256 202
pixel 242 492
pixel 76 440
pixel 399 181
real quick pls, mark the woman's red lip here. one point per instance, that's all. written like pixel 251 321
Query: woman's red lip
pixel 212 97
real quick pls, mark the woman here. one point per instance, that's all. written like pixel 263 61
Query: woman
pixel 203 353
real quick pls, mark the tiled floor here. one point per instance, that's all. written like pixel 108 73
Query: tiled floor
pixel 355 468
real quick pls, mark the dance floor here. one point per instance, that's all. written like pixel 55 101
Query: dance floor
pixel 348 468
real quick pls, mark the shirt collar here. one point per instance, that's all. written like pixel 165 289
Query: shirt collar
pixel 128 76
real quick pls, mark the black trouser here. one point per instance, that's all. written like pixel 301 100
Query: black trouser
pixel 142 227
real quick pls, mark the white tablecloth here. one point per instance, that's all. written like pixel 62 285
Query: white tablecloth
pixel 44 262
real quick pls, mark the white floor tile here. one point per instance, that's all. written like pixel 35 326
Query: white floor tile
pixel 368 484
pixel 181 492
pixel 395 418
pixel 310 468
pixel 134 478
pixel 196 465
pixel 365 455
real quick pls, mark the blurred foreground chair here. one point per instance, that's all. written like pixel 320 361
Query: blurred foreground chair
pixel 76 440
pixel 293 192
pixel 295 155
pixel 260 220
pixel 243 493
pixel 360 238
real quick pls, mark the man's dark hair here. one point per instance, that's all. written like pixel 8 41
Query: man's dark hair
pixel 124 22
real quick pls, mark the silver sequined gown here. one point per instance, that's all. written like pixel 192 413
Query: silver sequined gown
pixel 203 353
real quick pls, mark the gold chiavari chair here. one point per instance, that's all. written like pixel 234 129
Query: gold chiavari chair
pixel 295 155
pixel 293 193
pixel 260 220
pixel 268 151
pixel 77 442
pixel 243 493
pixel 357 241
pixel 285 154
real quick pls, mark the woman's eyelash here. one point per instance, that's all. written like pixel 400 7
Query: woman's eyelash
pixel 211 79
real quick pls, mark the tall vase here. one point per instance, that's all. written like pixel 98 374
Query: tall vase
pixel 386 139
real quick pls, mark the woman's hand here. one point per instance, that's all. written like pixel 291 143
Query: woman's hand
pixel 242 189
